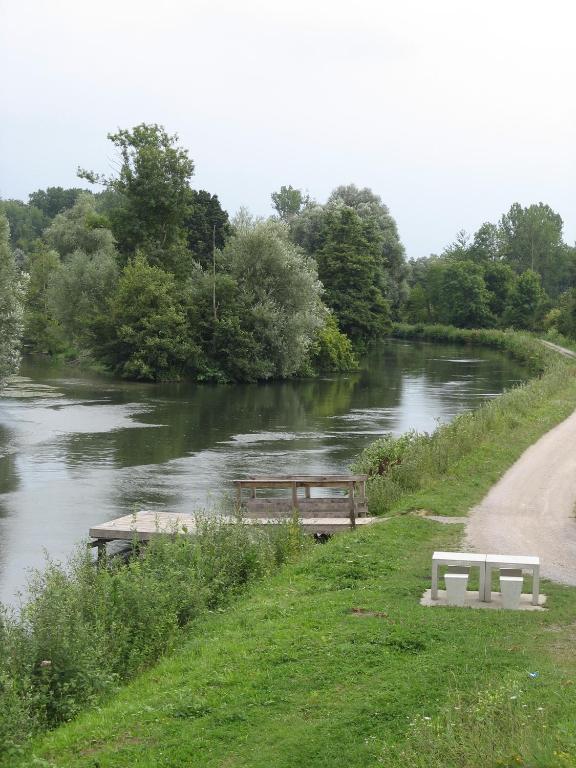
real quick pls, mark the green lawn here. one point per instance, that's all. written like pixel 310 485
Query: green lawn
pixel 290 676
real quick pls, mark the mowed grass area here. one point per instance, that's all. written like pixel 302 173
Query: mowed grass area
pixel 293 675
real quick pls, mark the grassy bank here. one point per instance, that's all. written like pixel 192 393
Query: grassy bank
pixel 83 631
pixel 333 662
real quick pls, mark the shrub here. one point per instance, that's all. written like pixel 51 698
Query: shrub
pixel 332 350
pixel 84 629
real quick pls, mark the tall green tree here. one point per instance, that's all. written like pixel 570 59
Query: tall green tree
pixel 26 223
pixel 145 333
pixel 349 267
pixel 54 200
pixel 78 294
pixel 11 306
pixel 486 245
pixel 288 202
pixel 279 291
pixel 499 278
pixel 465 299
pixel 567 313
pixel 308 229
pixel 370 208
pixel 459 250
pixel 153 185
pixel 42 332
pixel 206 226
pixel 526 302
pixel 532 239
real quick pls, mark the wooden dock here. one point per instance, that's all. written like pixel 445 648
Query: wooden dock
pixel 317 515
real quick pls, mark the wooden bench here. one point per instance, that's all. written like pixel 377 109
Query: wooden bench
pixel 300 499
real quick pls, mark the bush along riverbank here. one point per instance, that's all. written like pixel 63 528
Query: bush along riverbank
pixel 331 661
pixel 84 630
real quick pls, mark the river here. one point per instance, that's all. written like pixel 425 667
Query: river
pixel 78 449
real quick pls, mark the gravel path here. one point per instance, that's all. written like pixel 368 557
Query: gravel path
pixel 531 510
pixel 556 348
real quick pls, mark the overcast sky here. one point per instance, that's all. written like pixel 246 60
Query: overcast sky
pixel 449 110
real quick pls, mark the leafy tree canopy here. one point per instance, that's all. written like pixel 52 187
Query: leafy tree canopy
pixel 42 332
pixel 80 228
pixel 531 238
pixel 349 266
pixel 525 304
pixel 153 184
pixel 288 202
pixel 279 291
pixel 145 333
pixel 26 223
pixel 206 226
pixel 53 200
pixel 309 228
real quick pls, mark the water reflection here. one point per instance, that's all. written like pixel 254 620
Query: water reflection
pixel 77 450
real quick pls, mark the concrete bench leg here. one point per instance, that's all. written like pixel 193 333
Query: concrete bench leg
pixel 535 584
pixel 434 588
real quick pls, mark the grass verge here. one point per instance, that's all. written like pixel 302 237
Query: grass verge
pixel 294 675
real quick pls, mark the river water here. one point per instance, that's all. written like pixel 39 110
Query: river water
pixel 77 449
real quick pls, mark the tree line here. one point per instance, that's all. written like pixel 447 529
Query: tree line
pixel 152 279
pixel 518 273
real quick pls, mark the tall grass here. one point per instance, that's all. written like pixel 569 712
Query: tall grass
pixel 505 726
pixel 83 629
pixel 404 465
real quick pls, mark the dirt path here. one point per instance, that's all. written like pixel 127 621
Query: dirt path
pixel 557 348
pixel 530 511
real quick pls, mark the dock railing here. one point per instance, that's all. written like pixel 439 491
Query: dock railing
pixel 353 505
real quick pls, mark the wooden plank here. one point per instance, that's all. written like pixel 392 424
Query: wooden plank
pixel 302 481
pixel 318 507
pixel 307 478
pixel 288 483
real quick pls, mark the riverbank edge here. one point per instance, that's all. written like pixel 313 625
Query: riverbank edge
pixel 220 641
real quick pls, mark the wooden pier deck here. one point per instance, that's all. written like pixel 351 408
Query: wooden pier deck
pixel 318 515
pixel 146 525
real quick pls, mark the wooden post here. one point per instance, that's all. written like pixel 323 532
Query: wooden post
pixel 307 491
pixel 239 495
pixel 294 496
pixel 101 551
pixel 352 505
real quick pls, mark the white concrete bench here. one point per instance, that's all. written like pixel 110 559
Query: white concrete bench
pixel 462 559
pixel 521 562
pixel 485 564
